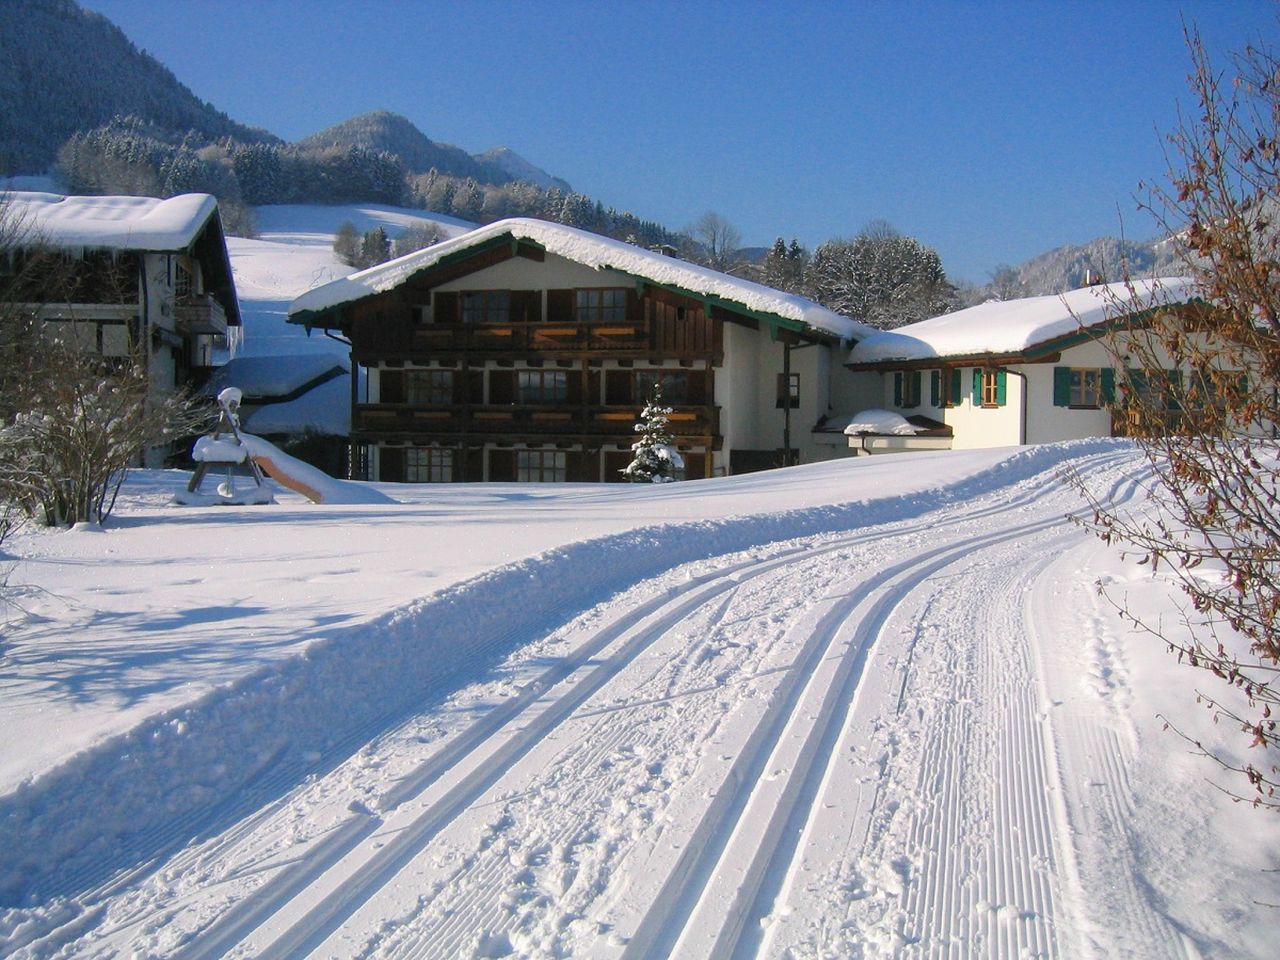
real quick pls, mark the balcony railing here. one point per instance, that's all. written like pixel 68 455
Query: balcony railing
pixel 548 420
pixel 199 315
pixel 693 338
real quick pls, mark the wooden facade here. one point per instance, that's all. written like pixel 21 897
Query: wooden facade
pixel 540 383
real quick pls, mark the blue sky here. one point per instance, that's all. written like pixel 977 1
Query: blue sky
pixel 992 131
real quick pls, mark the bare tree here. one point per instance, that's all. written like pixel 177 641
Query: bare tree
pixel 716 242
pixel 1201 397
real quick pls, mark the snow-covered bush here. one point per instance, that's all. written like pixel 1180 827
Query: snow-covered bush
pixel 74 423
pixel 655 458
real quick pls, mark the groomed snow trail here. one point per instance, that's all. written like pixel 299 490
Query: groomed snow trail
pixel 838 746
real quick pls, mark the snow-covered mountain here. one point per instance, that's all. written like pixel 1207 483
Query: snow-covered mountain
pixel 518 168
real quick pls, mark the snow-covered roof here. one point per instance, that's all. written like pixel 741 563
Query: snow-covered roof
pixel 1013 326
pixel 592 250
pixel 118 223
pixel 879 421
pixel 273 376
pixel 325 408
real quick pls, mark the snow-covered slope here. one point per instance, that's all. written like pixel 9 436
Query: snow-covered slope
pixel 294 253
pixel 783 714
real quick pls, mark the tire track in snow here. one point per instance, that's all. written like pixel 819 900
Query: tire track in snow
pixel 637 630
pixel 935 887
pixel 714 896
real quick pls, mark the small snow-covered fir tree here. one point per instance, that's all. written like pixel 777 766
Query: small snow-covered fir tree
pixel 655 458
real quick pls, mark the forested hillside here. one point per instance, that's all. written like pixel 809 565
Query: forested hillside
pixel 64 69
pixel 382 130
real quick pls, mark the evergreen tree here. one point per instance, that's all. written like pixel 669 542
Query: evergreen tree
pixel 654 455
pixel 375 248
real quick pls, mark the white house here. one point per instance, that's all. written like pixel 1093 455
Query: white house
pixel 1033 370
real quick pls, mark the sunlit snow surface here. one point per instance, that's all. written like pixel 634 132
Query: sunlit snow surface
pixel 866 708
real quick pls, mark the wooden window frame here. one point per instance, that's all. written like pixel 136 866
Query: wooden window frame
pixel 428 388
pixel 590 305
pixel 675 385
pixel 485 307
pixel 1085 391
pixel 788 387
pixel 428 465
pixel 541 387
pixel 990 388
pixel 541 466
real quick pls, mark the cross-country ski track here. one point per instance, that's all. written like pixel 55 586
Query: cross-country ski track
pixel 852 744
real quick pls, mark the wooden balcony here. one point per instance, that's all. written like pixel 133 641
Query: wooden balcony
pixel 200 315
pixel 540 339
pixel 403 421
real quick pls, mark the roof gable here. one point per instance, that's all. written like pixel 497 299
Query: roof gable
pixel 591 250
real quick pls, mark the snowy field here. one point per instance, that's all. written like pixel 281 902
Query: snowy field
pixel 861 709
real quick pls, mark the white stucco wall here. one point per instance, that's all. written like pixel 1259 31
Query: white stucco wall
pixel 746 391
pixel 521 273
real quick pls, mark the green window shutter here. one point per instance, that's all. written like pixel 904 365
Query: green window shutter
pixel 955 387
pixel 1108 385
pixel 935 388
pixel 915 376
pixel 977 386
pixel 1062 386
pixel 1002 392
pixel 897 389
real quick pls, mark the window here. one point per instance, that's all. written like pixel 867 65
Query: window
pixel 542 386
pixel 540 466
pixel 602 306
pixel 674 384
pixel 951 395
pixel 429 387
pixel 182 281
pixel 428 465
pixel 906 389
pixel 989 387
pixel 788 390
pixel 486 306
pixel 1087 388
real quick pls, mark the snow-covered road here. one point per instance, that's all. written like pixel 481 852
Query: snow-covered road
pixel 906 739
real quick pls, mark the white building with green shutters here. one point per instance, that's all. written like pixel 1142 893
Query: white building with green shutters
pixel 1010 372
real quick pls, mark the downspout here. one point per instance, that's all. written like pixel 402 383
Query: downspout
pixel 1022 426
pixel 786 403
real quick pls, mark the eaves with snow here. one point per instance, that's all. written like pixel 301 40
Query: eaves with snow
pixel 112 223
pixel 187 223
pixel 591 250
pixel 1024 328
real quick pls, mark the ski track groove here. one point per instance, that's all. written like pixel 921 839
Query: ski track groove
pixel 931 905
